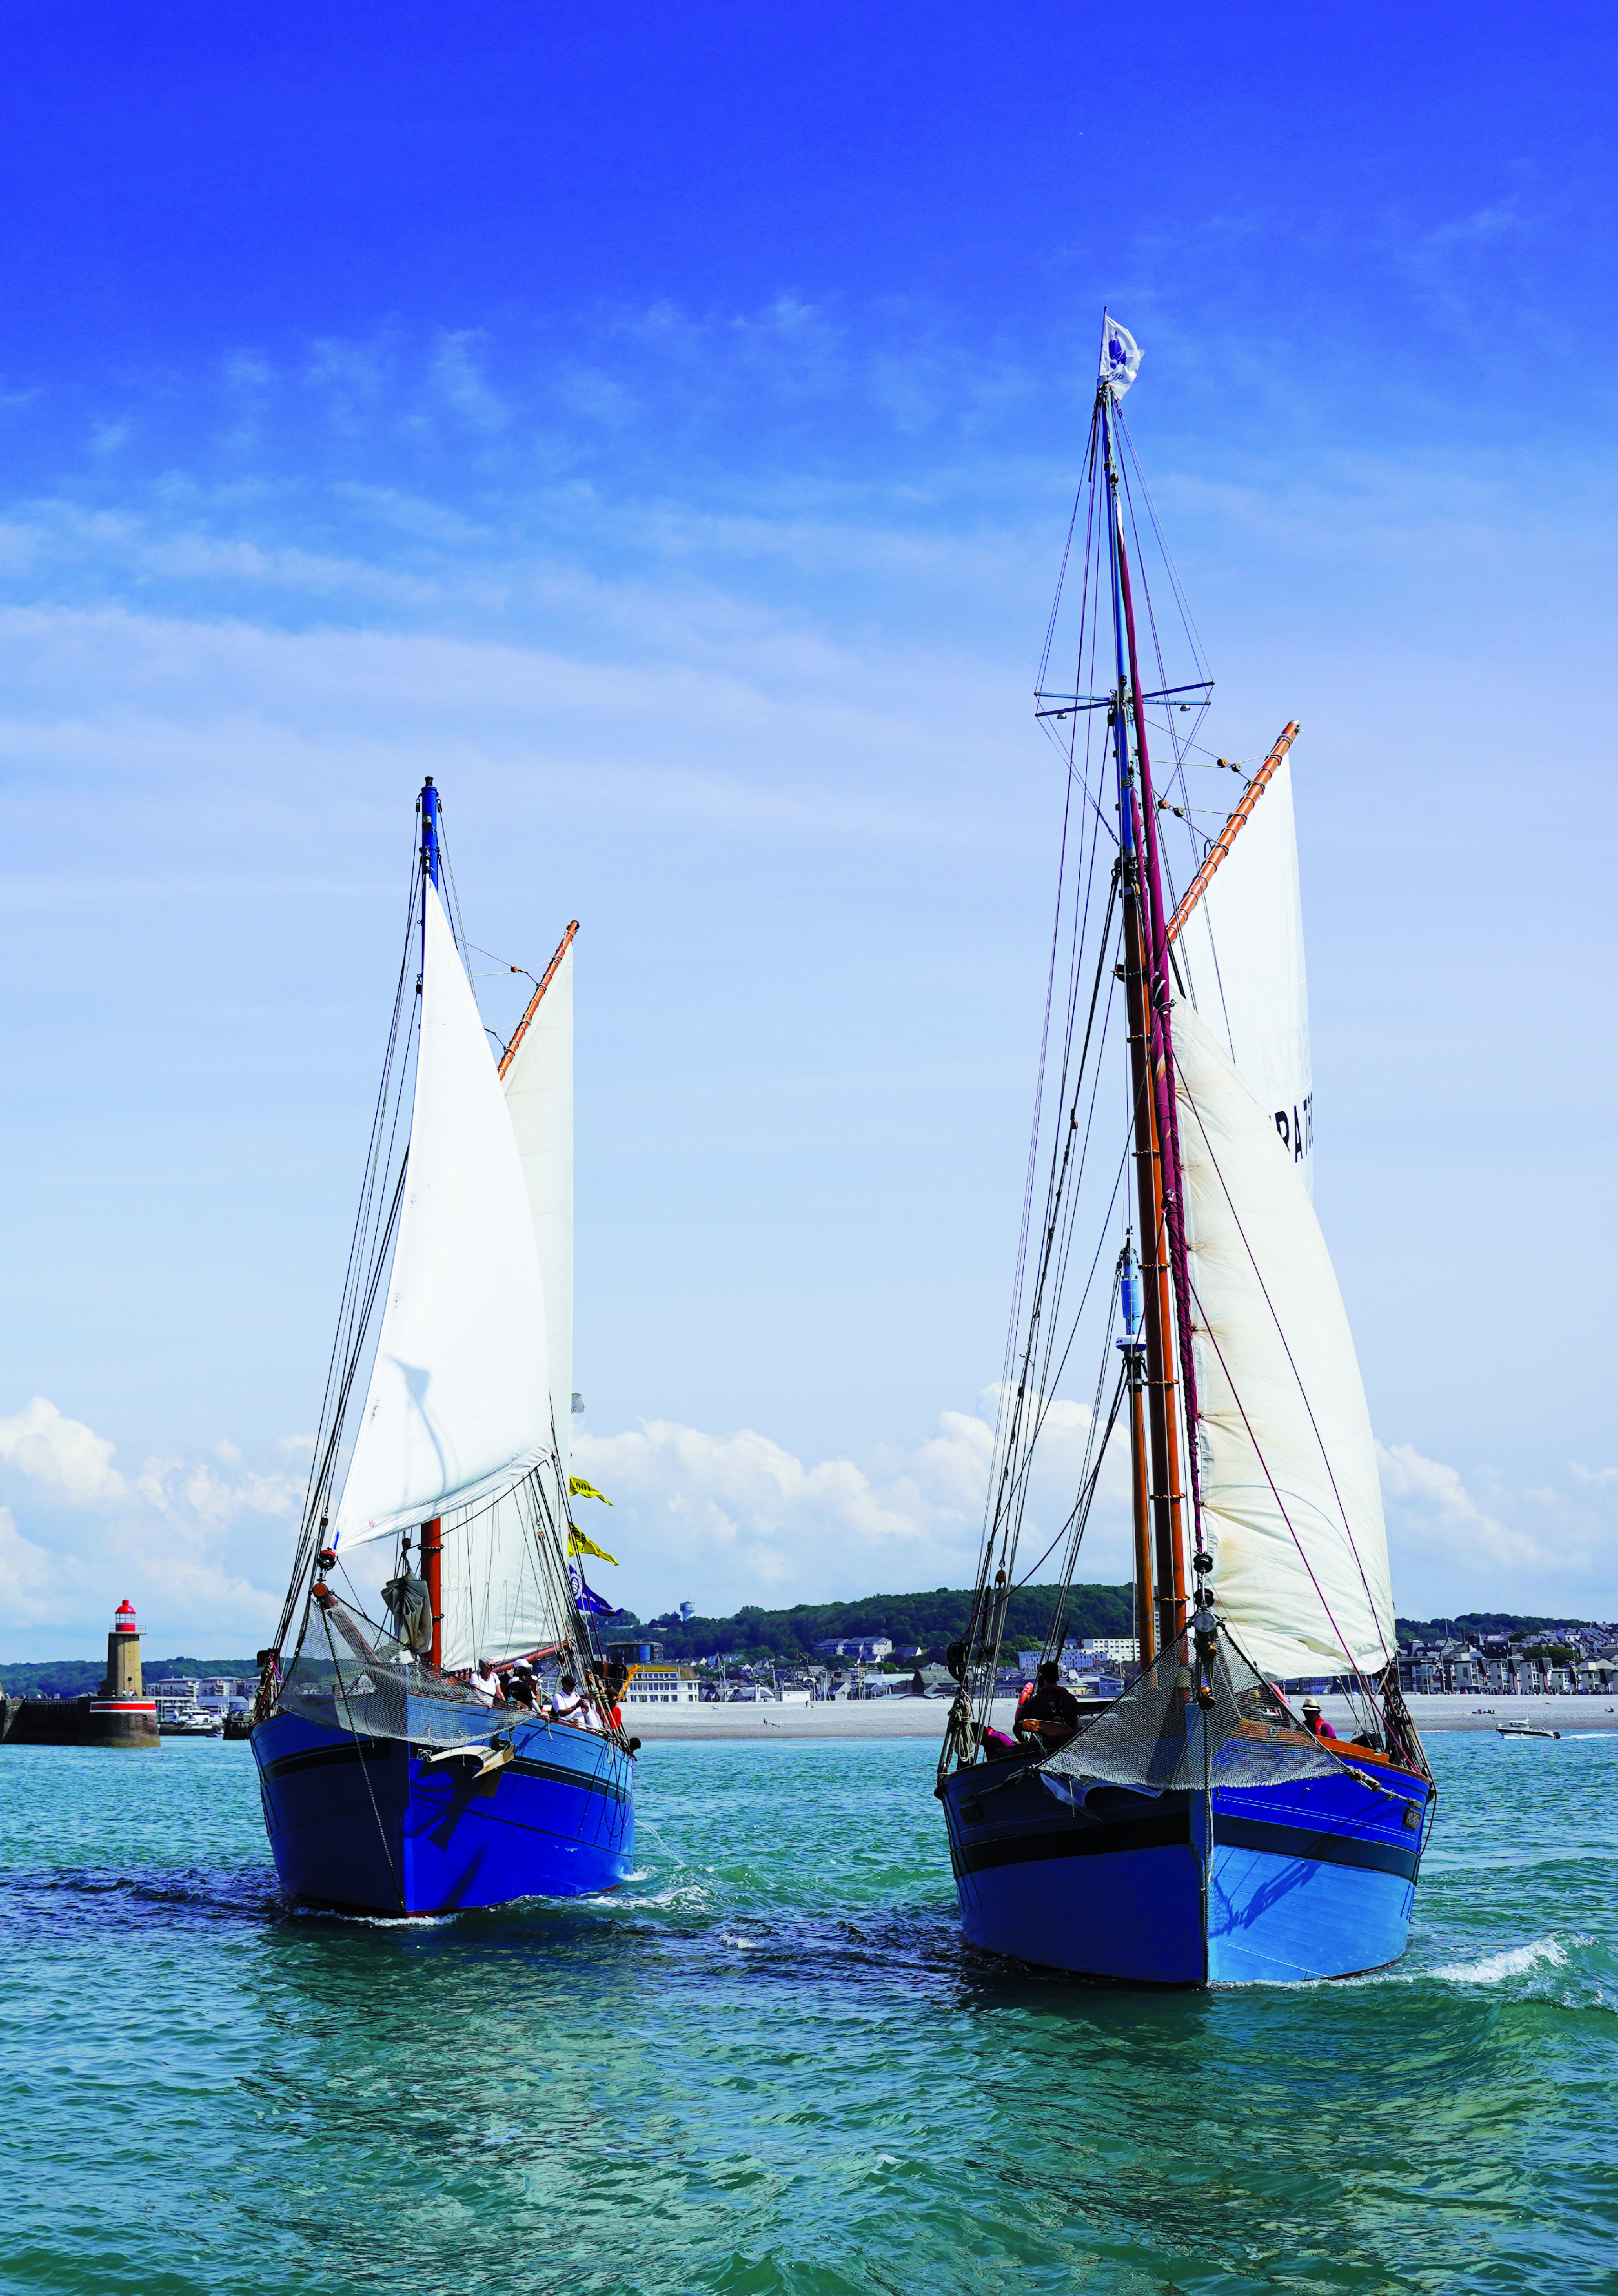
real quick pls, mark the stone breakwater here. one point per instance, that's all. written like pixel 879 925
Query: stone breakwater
pixel 87 1721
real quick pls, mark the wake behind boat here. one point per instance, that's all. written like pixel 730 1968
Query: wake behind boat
pixel 1200 1832
pixel 390 1781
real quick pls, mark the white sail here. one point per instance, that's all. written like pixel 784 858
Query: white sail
pixel 539 1095
pixel 458 1403
pixel 1240 955
pixel 498 1603
pixel 1291 1498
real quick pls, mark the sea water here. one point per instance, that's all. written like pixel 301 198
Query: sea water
pixel 768 2063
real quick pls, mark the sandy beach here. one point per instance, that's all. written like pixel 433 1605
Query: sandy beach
pixel 923 1717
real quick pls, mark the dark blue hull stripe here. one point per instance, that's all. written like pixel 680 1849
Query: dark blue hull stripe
pixel 1323 1848
pixel 322 1758
pixel 1174 1828
pixel 1157 1832
pixel 378 1749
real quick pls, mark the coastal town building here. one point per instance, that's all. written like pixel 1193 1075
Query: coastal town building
pixel 667 1683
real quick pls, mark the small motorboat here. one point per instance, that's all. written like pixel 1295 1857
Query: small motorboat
pixel 1526 1730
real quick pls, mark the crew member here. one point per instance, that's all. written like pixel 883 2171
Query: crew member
pixel 1314 1722
pixel 485 1681
pixel 568 1704
pixel 1049 1712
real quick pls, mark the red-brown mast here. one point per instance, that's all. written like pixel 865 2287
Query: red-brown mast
pixel 1156 1143
pixel 432 1571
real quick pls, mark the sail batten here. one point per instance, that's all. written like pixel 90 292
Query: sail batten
pixel 1291 1501
pixel 458 1407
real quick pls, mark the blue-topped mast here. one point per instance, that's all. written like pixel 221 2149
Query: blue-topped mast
pixel 427 804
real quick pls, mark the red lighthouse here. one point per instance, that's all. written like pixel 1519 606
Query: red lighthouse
pixel 121 1716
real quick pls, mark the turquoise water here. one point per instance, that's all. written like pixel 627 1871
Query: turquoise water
pixel 768 2063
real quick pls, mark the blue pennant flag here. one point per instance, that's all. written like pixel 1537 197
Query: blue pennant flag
pixel 590 1605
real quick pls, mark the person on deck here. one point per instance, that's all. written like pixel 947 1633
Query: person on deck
pixel 520 1687
pixel 485 1681
pixel 1049 1712
pixel 568 1704
pixel 1314 1722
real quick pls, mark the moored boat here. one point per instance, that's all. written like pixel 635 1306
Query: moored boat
pixel 1203 1830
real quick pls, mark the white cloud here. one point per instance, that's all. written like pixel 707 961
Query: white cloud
pixel 189 1541
pixel 724 1520
pixel 200 1544
pixel 28 1571
pixel 63 1457
pixel 1530 1548
pixel 1434 1510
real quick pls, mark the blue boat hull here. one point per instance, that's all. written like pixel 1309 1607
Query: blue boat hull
pixel 370 1826
pixel 1312 1879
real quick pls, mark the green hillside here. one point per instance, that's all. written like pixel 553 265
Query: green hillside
pixel 72 1678
pixel 931 1619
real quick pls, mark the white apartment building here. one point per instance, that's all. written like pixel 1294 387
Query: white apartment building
pixel 665 1683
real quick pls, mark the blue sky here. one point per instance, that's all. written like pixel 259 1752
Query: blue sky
pixel 660 425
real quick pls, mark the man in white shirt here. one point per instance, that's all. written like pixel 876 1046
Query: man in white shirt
pixel 568 1705
pixel 485 1681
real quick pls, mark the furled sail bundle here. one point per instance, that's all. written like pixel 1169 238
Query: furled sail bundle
pixel 1291 1501
pixel 1238 950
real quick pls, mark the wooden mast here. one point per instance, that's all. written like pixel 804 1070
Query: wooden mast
pixel 1140 1478
pixel 432 1571
pixel 1148 1075
pixel 1165 1581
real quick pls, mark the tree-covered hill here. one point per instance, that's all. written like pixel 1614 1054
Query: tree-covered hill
pixel 931 1619
pixel 72 1678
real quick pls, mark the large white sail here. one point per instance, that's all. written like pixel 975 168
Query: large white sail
pixel 1240 953
pixel 1291 1498
pixel 459 1404
pixel 539 1095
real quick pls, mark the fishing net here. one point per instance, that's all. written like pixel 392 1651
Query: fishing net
pixel 349 1677
pixel 1193 1723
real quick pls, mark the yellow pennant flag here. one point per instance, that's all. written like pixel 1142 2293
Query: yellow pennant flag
pixel 577 1543
pixel 580 1489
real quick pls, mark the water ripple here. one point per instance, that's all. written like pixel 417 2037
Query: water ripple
pixel 770 2062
